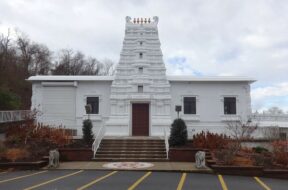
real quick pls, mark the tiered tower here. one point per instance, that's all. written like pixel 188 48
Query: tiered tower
pixel 140 77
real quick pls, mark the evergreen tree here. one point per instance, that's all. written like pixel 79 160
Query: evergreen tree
pixel 178 133
pixel 87 132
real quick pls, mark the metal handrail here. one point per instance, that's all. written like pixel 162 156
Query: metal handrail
pixel 166 137
pixel 98 139
pixel 14 115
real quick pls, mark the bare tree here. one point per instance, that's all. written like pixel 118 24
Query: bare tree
pixel 70 63
pixel 8 57
pixel 35 58
pixel 41 60
pixel 107 67
pixel 239 131
pixel 91 67
pixel 20 58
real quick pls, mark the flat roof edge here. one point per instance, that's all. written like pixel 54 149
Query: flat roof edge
pixel 70 78
pixel 210 79
pixel 111 78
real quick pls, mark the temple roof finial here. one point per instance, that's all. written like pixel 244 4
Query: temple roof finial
pixel 141 20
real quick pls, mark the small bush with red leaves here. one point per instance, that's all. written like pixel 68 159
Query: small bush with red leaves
pixel 15 154
pixel 30 132
pixel 210 140
pixel 37 139
pixel 280 152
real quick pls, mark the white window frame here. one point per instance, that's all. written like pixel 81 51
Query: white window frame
pixel 99 103
pixel 195 104
pixel 237 104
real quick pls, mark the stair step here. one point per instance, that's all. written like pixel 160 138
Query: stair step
pixel 133 140
pixel 133 147
pixel 129 156
pixel 132 144
pixel 130 149
pixel 130 152
pixel 131 159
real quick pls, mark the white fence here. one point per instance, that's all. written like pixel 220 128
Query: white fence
pixel 15 115
pixel 270 117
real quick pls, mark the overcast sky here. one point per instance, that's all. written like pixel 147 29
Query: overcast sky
pixel 198 37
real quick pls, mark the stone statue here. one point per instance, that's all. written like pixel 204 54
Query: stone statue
pixel 156 19
pixel 128 18
pixel 200 159
pixel 53 158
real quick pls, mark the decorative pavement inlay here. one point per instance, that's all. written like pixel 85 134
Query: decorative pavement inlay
pixel 128 165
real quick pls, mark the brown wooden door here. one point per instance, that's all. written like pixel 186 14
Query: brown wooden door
pixel 140 119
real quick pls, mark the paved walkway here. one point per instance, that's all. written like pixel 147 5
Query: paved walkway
pixel 157 166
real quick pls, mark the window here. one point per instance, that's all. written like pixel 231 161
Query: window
pixel 189 105
pixel 140 69
pixel 140 55
pixel 140 43
pixel 140 89
pixel 94 102
pixel 229 105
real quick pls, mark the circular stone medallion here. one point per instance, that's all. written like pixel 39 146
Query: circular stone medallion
pixel 128 165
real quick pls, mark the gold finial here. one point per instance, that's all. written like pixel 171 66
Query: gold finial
pixel 149 20
pixel 138 20
pixel 134 20
pixel 141 20
pixel 145 20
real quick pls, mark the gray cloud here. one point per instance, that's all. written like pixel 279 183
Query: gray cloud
pixel 220 37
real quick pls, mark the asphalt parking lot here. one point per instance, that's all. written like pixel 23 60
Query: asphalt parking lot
pixel 93 179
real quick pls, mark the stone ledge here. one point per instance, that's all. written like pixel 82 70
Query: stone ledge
pixel 24 165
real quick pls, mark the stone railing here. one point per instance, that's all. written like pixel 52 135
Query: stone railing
pixel 14 115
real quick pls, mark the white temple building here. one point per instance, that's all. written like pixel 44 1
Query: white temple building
pixel 140 99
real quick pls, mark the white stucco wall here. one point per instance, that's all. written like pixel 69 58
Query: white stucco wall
pixel 209 103
pixel 42 100
pixel 99 89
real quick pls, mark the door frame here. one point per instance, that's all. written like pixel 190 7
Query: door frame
pixel 131 112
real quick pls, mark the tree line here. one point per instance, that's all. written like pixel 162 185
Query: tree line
pixel 20 57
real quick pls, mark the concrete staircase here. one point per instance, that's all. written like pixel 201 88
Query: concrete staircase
pixel 131 149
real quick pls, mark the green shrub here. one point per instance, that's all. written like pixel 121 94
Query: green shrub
pixel 87 132
pixel 178 133
pixel 9 100
pixel 259 149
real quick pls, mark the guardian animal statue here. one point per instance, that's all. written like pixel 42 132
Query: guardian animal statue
pixel 53 158
pixel 200 159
